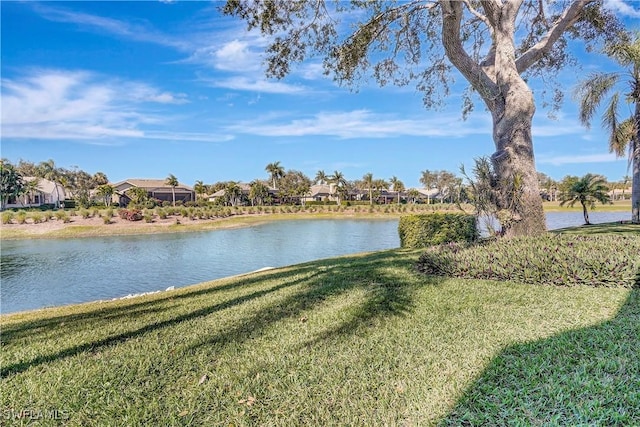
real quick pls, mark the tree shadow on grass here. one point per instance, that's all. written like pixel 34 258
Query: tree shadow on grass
pixel 130 309
pixel 317 281
pixel 589 376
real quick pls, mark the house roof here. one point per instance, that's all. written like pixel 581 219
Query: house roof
pixel 46 186
pixel 320 189
pixel 152 184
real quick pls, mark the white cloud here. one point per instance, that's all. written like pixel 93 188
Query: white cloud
pixel 236 55
pixel 78 105
pixel 246 83
pixel 576 159
pixel 364 124
pixel 622 8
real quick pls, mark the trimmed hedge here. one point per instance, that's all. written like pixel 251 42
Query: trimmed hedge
pixel 561 260
pixel 419 231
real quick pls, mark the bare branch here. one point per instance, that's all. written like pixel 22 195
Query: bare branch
pixel 570 15
pixel 452 16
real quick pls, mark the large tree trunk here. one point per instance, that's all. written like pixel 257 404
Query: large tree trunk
pixel 497 80
pixel 514 162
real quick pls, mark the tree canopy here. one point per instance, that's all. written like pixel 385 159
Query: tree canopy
pixel 496 46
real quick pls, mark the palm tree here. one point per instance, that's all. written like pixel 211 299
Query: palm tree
pixel 321 177
pixel 106 191
pixel 428 179
pixel 339 181
pixel 172 182
pixel 276 171
pixel 367 181
pixel 258 193
pixel 233 193
pixel 30 187
pixel 623 135
pixel 199 188
pixel 587 190
pixel 48 170
pixel 397 185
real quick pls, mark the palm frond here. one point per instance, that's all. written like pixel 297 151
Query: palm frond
pixel 591 92
pixel 621 136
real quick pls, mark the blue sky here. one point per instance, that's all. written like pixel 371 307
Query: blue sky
pixel 145 89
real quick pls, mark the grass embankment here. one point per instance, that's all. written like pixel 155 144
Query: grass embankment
pixel 358 340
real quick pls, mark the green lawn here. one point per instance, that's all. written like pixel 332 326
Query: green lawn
pixel 607 228
pixel 358 340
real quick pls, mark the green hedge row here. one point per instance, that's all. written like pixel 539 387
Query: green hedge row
pixel 419 231
pixel 560 260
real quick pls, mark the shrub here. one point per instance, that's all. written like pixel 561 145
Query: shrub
pixel 60 215
pixel 7 217
pixel 148 217
pixel 21 217
pixel 162 214
pixel 36 217
pixel 106 219
pixel 84 213
pixel 130 214
pixel 418 231
pixel 560 260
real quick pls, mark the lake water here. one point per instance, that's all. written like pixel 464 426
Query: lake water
pixel 42 273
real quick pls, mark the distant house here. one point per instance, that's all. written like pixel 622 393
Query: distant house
pixel 46 193
pixel 156 189
pixel 321 193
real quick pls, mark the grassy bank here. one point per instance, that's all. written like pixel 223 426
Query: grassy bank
pixel 358 340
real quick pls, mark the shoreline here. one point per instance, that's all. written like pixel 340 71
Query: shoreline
pixel 94 226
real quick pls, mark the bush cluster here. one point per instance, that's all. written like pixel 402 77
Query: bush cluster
pixel 559 260
pixel 419 231
pixel 130 214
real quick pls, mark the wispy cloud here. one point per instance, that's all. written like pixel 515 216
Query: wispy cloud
pixel 82 106
pixel 577 159
pixel 363 124
pixel 233 59
pixel 132 31
pixel 622 8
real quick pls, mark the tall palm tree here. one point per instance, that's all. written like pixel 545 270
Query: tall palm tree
pixel 321 177
pixel 172 182
pixel 587 190
pixel 397 185
pixel 339 181
pixel 367 181
pixel 276 171
pixel 428 179
pixel 623 135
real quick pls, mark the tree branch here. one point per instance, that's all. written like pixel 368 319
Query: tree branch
pixel 537 51
pixel 451 19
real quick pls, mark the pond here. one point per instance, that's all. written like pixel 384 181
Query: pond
pixel 42 273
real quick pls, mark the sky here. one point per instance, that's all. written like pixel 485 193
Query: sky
pixel 151 88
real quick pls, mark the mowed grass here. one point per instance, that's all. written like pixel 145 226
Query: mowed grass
pixel 360 340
